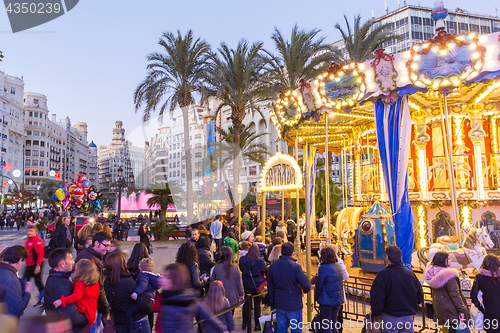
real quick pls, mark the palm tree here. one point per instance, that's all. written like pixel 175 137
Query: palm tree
pixel 172 78
pixel 303 57
pixel 234 77
pixel 363 41
pixel 164 195
pixel 249 146
pixel 1 56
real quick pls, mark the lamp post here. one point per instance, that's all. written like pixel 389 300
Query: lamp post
pixel 121 183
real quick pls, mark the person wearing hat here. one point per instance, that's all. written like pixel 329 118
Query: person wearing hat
pixel 247 236
pixel 282 227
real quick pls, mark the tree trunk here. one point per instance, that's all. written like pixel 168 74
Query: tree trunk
pixel 237 164
pixel 189 172
pixel 163 214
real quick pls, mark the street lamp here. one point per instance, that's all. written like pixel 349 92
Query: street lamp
pixel 240 190
pixel 121 182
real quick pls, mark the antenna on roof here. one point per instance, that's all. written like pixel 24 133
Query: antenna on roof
pixel 386 8
pixel 373 14
pixel 496 11
pixel 399 3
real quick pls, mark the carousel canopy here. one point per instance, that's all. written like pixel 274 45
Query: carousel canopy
pixel 464 68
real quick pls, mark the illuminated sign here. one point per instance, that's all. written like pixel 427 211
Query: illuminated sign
pixel 281 172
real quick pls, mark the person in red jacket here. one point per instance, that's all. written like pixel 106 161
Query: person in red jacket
pixel 34 261
pixel 86 290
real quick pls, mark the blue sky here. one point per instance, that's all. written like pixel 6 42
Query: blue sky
pixel 89 61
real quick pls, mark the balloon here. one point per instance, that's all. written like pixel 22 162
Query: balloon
pixel 86 183
pixel 54 196
pixel 60 194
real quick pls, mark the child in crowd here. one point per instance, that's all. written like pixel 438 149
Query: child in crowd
pixel 244 247
pixel 262 247
pixel 86 290
pixel 147 283
pixel 216 302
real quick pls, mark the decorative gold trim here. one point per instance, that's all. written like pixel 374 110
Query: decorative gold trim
pixel 466 195
pixel 494 195
pixel 439 195
pixel 369 261
pixel 414 196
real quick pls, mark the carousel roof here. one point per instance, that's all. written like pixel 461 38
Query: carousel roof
pixel 463 69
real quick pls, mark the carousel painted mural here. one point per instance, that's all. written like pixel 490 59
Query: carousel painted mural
pixel 418 135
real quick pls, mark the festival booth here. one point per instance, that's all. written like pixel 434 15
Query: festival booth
pixel 280 173
pixel 415 131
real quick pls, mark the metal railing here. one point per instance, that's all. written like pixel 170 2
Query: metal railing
pixel 357 304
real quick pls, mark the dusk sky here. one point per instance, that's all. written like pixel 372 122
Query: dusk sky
pixel 89 61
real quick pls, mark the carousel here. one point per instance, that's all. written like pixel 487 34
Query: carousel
pixel 417 135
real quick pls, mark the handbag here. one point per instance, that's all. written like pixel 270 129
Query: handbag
pixel 109 327
pixel 429 310
pixel 261 286
pixel 270 326
pixel 476 315
pixel 316 322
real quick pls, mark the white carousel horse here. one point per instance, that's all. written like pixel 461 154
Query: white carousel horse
pixel 470 256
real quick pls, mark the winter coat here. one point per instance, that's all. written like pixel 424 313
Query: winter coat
pixel 60 237
pixel 205 261
pixel 57 285
pixel 179 309
pixel 144 237
pixel 262 249
pixel 226 319
pixel 329 288
pixel 252 273
pixel 232 243
pixel 148 283
pixel 491 297
pixel 286 281
pixel 196 282
pixel 91 254
pixel 119 298
pixel 232 284
pixel 16 298
pixel 448 301
pixel 396 291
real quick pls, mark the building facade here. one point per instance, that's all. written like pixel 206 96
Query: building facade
pixel 12 127
pixel 413 24
pixel 119 153
pixel 93 171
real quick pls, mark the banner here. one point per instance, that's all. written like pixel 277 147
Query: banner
pixel 393 124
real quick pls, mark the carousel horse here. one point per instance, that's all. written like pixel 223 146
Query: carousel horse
pixel 470 256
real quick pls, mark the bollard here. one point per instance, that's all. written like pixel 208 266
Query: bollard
pixel 249 323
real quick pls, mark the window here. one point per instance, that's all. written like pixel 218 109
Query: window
pixel 27 162
pixel 12 90
pixel 36 133
pixel 28 143
pixel 197 136
pixel 178 173
pixel 28 132
pixel 34 173
pixel 35 143
pixel 170 174
pixel 28 153
pixel 36 114
pixel 31 114
pixel 40 173
pixel 42 163
pixel 35 162
pixel 253 171
pixel 35 152
pixel 33 182
pixel 197 155
pixel 42 143
pixel 42 153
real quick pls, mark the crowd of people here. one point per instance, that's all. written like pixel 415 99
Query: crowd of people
pixel 220 267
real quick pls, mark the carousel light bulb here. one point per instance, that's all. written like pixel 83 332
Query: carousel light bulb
pixel 482 39
pixel 407 54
